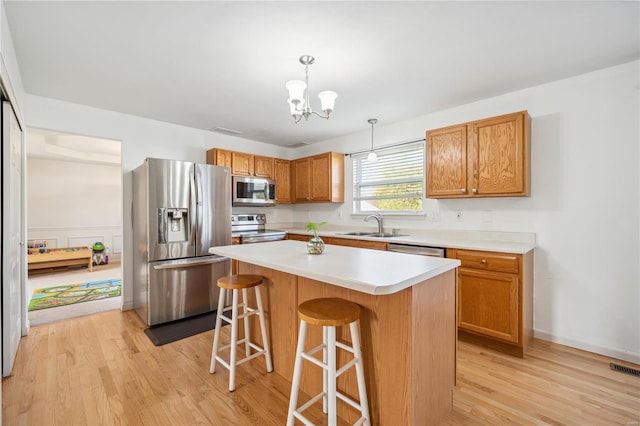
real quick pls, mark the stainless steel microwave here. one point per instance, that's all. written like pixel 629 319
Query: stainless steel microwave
pixel 253 191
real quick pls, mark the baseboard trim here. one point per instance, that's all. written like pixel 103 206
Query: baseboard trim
pixel 127 306
pixel 613 353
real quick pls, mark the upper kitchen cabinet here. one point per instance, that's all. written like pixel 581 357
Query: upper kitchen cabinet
pixel 263 166
pixel 319 178
pixel 244 164
pixel 241 163
pixel 484 158
pixel 282 176
pixel 447 162
pixel 219 157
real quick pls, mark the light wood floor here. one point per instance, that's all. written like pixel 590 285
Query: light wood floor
pixel 103 370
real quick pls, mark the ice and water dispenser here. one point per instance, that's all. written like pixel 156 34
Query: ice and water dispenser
pixel 173 225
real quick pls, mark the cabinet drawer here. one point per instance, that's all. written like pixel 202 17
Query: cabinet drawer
pixel 488 261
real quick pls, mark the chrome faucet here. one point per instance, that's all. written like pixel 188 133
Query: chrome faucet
pixel 377 217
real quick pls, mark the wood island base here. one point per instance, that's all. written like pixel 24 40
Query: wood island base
pixel 408 344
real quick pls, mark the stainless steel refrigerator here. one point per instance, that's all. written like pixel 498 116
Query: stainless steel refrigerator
pixel 180 209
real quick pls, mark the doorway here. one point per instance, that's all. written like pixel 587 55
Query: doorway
pixel 74 213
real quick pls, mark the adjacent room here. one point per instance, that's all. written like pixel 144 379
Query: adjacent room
pixel 74 208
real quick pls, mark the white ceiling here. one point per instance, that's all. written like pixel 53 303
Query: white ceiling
pixel 209 64
pixel 68 147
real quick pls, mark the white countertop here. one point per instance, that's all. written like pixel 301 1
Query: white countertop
pixel 368 271
pixel 469 240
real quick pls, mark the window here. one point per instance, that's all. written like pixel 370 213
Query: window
pixel 394 183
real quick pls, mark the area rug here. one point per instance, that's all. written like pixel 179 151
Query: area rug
pixel 60 295
pixel 175 330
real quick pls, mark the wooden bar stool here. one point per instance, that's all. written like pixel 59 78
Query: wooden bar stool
pixel 235 283
pixel 329 313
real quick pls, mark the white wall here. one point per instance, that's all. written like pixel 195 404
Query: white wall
pixel 584 204
pixel 71 203
pixel 9 69
pixel 141 138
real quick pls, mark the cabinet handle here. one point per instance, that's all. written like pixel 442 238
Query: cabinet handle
pixel 483 261
pixel 463 190
pixel 474 190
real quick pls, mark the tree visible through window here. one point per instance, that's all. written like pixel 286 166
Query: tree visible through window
pixel 394 183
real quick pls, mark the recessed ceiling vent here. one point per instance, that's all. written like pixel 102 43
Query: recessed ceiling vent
pixel 226 131
pixel 623 369
pixel 298 144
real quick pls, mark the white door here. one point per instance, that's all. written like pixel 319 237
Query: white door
pixel 12 247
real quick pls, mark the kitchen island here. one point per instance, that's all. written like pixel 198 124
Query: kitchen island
pixel 407 323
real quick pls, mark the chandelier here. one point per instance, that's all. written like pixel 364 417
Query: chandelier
pixel 299 95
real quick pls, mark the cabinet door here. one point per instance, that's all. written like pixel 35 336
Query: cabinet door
pixel 488 304
pixel 263 166
pixel 446 162
pixel 282 174
pixel 320 177
pixel 219 157
pixel 242 164
pixel 301 177
pixel 498 156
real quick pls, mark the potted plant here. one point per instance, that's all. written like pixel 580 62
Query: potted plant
pixel 315 244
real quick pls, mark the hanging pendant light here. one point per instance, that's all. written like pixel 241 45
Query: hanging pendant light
pixel 372 154
pixel 298 101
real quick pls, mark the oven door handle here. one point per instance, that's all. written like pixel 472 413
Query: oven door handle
pixel 248 239
pixel 185 263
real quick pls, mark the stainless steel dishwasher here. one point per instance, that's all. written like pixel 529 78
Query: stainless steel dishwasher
pixel 420 250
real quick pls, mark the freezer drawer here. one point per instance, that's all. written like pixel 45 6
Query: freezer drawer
pixel 183 288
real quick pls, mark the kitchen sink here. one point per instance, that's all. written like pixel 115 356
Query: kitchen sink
pixel 385 235
pixel 372 234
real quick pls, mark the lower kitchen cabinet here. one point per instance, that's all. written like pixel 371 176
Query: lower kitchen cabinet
pixel 495 299
pixel 348 242
pixel 299 237
pixel 336 241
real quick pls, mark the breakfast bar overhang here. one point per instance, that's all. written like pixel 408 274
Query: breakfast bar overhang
pixel 408 321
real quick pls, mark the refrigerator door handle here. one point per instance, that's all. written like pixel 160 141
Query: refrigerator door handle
pixel 162 226
pixel 176 264
pixel 194 216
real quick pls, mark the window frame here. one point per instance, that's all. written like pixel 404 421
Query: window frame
pixel 357 184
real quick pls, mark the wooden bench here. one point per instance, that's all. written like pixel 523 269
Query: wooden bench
pixel 57 257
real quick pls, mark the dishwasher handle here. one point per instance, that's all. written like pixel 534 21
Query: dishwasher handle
pixel 419 250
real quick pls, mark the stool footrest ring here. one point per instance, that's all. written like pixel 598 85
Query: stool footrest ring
pixel 298 412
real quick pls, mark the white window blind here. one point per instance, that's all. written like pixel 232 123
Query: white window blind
pixel 394 183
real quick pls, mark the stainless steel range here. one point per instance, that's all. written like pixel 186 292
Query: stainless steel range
pixel 251 228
